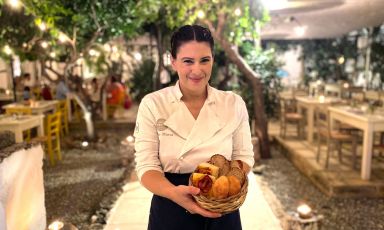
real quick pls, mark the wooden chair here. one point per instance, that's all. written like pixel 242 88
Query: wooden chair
pixel 333 90
pixel 21 111
pixel 52 137
pixel 332 137
pixel 372 96
pixel 288 115
pixel 62 106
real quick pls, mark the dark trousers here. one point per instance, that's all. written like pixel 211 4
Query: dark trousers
pixel 167 215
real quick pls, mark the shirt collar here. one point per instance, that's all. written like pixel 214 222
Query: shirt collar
pixel 178 94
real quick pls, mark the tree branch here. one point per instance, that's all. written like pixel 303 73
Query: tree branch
pixel 220 24
pixel 44 72
pixel 94 16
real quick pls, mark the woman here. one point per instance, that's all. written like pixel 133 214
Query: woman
pixel 183 125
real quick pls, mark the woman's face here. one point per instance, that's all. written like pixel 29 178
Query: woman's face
pixel 193 64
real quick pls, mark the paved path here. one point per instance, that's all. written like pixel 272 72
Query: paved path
pixel 131 209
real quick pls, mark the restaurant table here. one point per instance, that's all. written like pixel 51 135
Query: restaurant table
pixel 37 107
pixel 365 121
pixel 6 97
pixel 18 124
pixel 310 104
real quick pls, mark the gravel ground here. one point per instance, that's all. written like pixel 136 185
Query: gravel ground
pixel 285 188
pixel 83 186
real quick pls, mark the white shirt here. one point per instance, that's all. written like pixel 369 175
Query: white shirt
pixel 169 139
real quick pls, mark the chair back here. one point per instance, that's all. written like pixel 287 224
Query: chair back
pixel 287 106
pixel 53 123
pixel 333 90
pixel 322 120
pixel 372 95
pixel 19 111
pixel 62 106
pixel 357 96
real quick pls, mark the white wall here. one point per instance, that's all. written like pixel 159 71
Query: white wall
pixel 293 66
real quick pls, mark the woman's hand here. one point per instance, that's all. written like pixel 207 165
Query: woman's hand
pixel 182 195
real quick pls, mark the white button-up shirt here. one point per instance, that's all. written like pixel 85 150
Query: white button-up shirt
pixel 169 139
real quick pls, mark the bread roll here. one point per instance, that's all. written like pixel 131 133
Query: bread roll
pixel 220 188
pixel 209 169
pixel 238 173
pixel 234 185
pixel 237 164
pixel 203 181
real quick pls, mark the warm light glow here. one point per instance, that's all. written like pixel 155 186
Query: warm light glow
pixel 200 14
pixel 237 12
pixel 300 30
pixel 79 61
pixel 138 56
pixel 7 50
pixel 63 38
pixel 130 139
pixel 321 99
pixel 85 144
pixel 346 85
pixel 304 211
pixel 319 82
pixel 43 26
pixel 7 92
pixel 14 3
pixel 341 60
pixel 114 49
pixel 275 4
pixel 92 52
pixel 25 45
pixel 57 225
pixel 107 47
pixel 52 54
pixel 44 44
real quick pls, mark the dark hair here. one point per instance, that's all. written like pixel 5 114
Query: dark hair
pixel 190 33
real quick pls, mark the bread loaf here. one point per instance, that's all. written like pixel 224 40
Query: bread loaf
pixel 221 162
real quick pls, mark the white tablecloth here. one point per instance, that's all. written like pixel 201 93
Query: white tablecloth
pixel 22 191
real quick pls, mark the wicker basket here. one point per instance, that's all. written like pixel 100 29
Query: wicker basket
pixel 222 206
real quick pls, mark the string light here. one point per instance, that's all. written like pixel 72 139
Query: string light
pixel 237 12
pixel 63 38
pixel 138 56
pixel 14 3
pixel 7 50
pixel 44 44
pixel 42 26
pixel 200 14
pixel 52 54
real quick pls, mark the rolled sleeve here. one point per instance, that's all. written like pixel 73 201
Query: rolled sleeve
pixel 242 142
pixel 146 140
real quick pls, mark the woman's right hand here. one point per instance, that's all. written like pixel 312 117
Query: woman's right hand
pixel 182 195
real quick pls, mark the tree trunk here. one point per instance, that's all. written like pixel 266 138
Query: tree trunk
pixel 261 128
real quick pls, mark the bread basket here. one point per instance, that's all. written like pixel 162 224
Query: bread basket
pixel 225 205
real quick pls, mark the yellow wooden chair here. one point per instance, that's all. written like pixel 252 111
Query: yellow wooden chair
pixel 62 106
pixel 21 111
pixel 52 136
